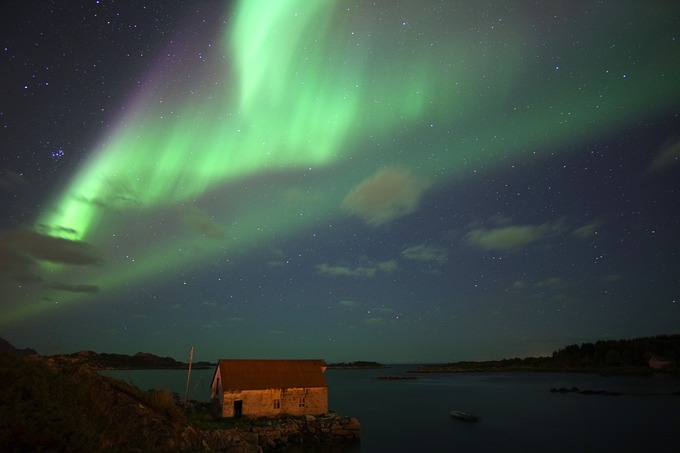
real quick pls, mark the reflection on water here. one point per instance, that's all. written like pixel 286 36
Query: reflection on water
pixel 172 380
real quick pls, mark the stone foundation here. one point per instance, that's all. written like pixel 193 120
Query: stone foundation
pixel 267 435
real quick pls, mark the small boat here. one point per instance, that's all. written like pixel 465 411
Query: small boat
pixel 465 416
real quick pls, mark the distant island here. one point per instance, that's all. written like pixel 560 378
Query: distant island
pixel 114 361
pixel 360 364
pixel 110 361
pixel 7 347
pixel 644 355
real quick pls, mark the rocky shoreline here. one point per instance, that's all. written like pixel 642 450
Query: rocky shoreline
pixel 274 434
pixel 49 405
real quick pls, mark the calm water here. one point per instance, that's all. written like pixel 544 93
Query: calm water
pixel 517 411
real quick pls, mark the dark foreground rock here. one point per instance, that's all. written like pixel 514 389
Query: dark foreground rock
pixel 278 433
pixel 7 347
pixel 51 406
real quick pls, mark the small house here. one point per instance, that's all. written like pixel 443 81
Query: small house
pixel 659 363
pixel 268 388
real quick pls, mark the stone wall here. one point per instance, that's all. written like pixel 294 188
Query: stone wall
pixel 268 435
pixel 260 403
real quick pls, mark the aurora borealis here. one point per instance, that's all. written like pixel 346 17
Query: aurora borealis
pixel 387 181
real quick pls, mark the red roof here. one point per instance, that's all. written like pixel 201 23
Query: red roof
pixel 270 374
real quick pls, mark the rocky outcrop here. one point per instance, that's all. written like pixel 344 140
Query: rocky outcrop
pixel 278 433
pixel 8 348
pixel 114 361
pixel 49 405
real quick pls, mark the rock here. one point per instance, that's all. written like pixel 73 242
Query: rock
pixel 137 421
pixel 244 447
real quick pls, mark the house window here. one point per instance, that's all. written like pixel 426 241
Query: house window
pixel 302 402
pixel 277 404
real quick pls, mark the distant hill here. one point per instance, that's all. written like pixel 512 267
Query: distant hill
pixel 6 347
pixel 110 361
pixel 633 356
pixel 52 406
pixel 360 364
pixel 114 361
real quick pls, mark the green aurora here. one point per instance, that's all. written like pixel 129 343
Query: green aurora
pixel 259 145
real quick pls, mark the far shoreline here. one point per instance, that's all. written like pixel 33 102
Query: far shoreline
pixel 635 371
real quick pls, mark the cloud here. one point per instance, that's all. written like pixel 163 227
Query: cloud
pixel 387 195
pixel 612 278
pixel 18 265
pixel 506 238
pixel 360 271
pixel 279 258
pixel 374 321
pixel 116 195
pixel 552 283
pixel 517 285
pixel 668 156
pixel 387 266
pixel 79 288
pixel 22 250
pixel 511 238
pixel 300 195
pixel 500 219
pixel 48 248
pixel 369 270
pixel 425 253
pixel 199 221
pixel 587 231
pixel 10 180
pixel 210 325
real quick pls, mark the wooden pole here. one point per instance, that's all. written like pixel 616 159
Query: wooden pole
pixel 186 396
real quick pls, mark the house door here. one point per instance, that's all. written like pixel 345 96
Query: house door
pixel 238 408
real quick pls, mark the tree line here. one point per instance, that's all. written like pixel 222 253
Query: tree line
pixel 617 356
pixel 619 353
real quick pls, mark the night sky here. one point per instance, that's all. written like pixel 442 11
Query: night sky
pixel 412 181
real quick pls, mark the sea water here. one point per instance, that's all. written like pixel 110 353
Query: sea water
pixel 517 411
pixel 173 380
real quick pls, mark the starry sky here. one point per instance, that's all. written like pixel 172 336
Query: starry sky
pixel 349 180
